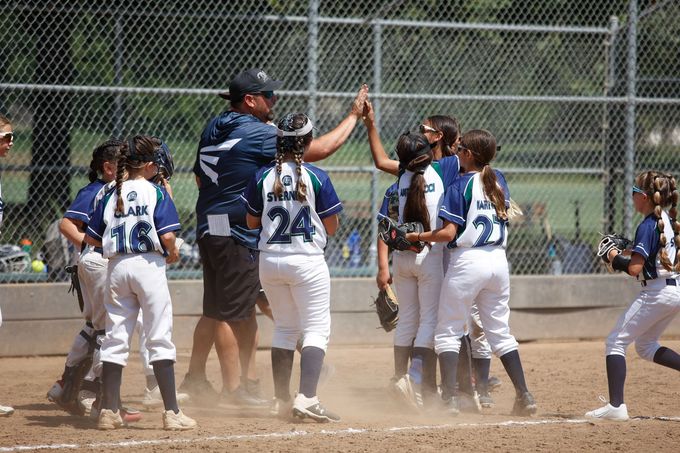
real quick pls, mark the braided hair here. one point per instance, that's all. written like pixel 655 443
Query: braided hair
pixel 294 136
pixel 109 151
pixel 138 150
pixel 482 144
pixel 661 188
pixel 415 154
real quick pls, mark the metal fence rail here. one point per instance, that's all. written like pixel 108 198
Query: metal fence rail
pixel 579 99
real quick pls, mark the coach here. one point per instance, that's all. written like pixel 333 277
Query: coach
pixel 233 146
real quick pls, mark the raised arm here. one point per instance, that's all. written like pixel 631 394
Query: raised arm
pixel 380 157
pixel 329 143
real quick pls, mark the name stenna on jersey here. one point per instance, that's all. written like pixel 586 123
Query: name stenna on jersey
pixel 428 188
pixel 134 211
pixel 286 195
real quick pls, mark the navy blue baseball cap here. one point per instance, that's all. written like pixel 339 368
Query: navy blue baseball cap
pixel 252 81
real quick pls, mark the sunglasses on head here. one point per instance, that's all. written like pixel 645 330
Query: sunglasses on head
pixel 636 189
pixel 424 128
pixel 264 94
pixel 7 134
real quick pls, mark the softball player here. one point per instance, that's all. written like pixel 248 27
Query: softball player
pixel 441 131
pixel 654 261
pixel 475 220
pixel 92 275
pixel 417 276
pixel 6 142
pixel 135 225
pixel 296 206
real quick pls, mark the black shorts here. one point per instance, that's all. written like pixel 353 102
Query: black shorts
pixel 231 278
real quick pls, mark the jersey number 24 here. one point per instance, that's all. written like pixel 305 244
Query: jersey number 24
pixel 285 230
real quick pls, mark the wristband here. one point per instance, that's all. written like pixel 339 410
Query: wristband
pixel 621 263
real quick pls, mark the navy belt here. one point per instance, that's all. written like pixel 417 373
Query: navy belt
pixel 669 282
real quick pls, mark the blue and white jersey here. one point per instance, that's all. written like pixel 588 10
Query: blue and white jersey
pixel 82 206
pixel 466 205
pixel 232 149
pixel 289 226
pixel 148 213
pixel 648 244
pixel 390 204
pixel 438 176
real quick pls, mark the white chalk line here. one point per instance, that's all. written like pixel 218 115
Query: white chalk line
pixel 323 432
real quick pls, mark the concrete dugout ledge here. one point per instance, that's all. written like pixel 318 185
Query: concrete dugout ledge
pixel 42 319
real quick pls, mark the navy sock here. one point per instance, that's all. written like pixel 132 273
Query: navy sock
pixel 464 370
pixel 448 364
pixel 616 378
pixel 481 367
pixel 402 354
pixel 311 361
pixel 667 357
pixel 112 375
pixel 282 367
pixel 164 370
pixel 429 361
pixel 513 366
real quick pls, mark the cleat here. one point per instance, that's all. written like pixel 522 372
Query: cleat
pixel 85 401
pixel 199 389
pixel 153 398
pixel 6 411
pixel 54 393
pixel 451 407
pixel 280 408
pixel 178 421
pixel 524 405
pixel 304 407
pixel 242 398
pixel 108 420
pixel 468 403
pixel 407 391
pixel 486 401
pixel 609 412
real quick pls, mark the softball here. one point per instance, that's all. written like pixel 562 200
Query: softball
pixel 38 266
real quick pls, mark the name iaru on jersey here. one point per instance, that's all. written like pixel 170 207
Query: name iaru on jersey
pixel 287 195
pixel 134 211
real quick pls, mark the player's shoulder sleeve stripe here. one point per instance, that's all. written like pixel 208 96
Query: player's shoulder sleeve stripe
pixel 172 227
pixel 437 166
pixel 159 193
pixel 92 233
pixel 316 181
pixel 467 192
pixel 337 207
pixel 249 207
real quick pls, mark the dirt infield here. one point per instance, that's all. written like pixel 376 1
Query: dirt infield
pixel 565 377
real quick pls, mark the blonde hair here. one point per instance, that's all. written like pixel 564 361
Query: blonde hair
pixel 661 189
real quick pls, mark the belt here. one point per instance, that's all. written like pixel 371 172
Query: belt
pixel 669 282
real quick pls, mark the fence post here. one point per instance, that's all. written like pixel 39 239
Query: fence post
pixel 375 90
pixel 312 57
pixel 118 58
pixel 609 121
pixel 631 75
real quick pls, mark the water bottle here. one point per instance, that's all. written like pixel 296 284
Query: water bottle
pixel 555 262
pixel 415 372
pixel 354 245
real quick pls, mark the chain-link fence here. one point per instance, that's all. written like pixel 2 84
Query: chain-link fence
pixel 580 95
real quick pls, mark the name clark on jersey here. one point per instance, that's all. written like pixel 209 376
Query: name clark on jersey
pixel 134 211
pixel 287 195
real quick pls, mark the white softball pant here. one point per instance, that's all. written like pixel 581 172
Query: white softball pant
pixel 299 291
pixel 645 320
pixel 480 347
pixel 417 281
pixel 92 271
pixel 475 275
pixel 138 281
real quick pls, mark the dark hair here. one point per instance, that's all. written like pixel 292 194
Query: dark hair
pixel 661 189
pixel 4 120
pixel 450 130
pixel 109 151
pixel 134 154
pixel 415 154
pixel 294 145
pixel 482 145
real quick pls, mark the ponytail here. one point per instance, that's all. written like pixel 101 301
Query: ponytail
pixel 494 192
